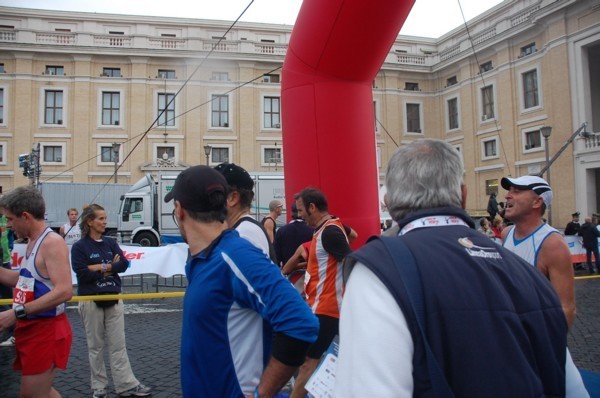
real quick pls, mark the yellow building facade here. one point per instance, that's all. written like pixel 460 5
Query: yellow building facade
pixel 157 93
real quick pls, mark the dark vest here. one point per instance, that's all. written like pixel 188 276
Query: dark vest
pixel 494 323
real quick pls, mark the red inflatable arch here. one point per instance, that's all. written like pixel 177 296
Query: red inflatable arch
pixel 336 49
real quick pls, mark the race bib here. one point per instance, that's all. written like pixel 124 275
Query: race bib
pixel 23 292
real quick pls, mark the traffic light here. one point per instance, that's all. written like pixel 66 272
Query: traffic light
pixel 24 164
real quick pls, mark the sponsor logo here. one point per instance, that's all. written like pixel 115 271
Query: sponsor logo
pixel 133 256
pixel 479 251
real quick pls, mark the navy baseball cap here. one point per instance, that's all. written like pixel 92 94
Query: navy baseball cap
pixel 194 187
pixel 236 176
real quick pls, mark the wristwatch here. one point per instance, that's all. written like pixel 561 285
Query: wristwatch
pixel 20 311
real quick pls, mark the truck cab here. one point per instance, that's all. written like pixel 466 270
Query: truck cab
pixel 145 219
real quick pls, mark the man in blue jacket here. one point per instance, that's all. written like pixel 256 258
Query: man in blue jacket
pixel 492 323
pixel 245 328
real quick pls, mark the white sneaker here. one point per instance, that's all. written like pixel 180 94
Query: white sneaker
pixel 10 342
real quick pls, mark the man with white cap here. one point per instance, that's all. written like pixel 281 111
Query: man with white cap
pixel 543 247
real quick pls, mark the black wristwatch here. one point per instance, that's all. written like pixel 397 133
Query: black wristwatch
pixel 20 311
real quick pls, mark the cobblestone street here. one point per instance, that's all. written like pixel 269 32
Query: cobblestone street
pixel 153 329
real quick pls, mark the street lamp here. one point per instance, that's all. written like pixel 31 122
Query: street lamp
pixel 546 131
pixel 115 148
pixel 207 149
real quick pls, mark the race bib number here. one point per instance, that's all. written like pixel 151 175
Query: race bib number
pixel 24 290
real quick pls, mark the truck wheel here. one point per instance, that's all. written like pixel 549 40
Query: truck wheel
pixel 145 239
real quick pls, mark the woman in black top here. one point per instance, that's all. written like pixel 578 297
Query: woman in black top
pixel 97 262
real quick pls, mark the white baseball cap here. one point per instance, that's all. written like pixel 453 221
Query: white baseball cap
pixel 534 183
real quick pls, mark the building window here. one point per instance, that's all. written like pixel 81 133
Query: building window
pixel 487 103
pixel 270 78
pixel 1 106
pixel 2 70
pixel 220 111
pixel 452 113
pixel 53 107
pixel 166 118
pixel 533 140
pixel 107 155
pixel 413 118
pixel 2 153
pixel 272 112
pixel 490 148
pixel 451 81
pixel 52 154
pixel 411 86
pixel 219 155
pixel 111 72
pixel 55 70
pixel 486 66
pixel 530 89
pixel 491 186
pixel 165 152
pixel 220 76
pixel 272 156
pixel 527 50
pixel 166 74
pixel 110 108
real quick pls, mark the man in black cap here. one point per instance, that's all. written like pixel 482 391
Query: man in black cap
pixel 239 200
pixel 238 311
pixel 573 227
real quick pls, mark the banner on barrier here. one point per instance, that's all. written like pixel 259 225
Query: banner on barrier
pixel 165 261
pixel 170 260
pixel 576 248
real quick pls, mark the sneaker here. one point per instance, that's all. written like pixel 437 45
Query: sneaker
pixel 10 342
pixel 139 391
pixel 100 393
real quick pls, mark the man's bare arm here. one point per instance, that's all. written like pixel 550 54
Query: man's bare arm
pixel 274 377
pixel 296 262
pixel 270 227
pixel 554 260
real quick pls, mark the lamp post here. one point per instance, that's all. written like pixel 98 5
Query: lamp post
pixel 207 149
pixel 546 131
pixel 115 148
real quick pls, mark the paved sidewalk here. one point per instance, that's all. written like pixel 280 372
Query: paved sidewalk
pixel 153 329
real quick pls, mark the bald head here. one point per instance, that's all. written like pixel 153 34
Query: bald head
pixel 588 219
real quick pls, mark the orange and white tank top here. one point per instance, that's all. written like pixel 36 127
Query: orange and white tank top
pixel 31 285
pixel 324 277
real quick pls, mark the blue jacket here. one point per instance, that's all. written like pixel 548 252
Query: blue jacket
pixel 494 323
pixel 237 311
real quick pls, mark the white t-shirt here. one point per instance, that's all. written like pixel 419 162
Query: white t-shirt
pixel 253 234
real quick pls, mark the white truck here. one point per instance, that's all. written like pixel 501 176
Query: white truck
pixel 145 218
pixel 61 196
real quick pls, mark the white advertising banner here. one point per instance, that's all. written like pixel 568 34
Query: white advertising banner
pixel 165 261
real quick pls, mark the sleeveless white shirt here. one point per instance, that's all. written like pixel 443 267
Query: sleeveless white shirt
pixel 528 247
pixel 72 234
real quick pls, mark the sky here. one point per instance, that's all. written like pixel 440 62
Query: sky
pixel 428 18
